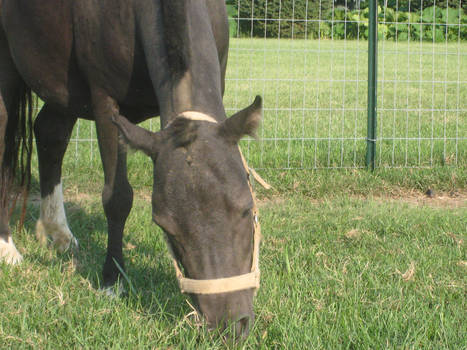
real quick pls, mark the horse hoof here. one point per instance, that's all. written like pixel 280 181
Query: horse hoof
pixel 60 234
pixel 8 252
pixel 115 291
pixel 74 246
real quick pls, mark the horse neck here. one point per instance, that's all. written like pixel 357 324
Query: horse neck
pixel 198 86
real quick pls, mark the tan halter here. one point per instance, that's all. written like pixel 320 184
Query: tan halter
pixel 228 284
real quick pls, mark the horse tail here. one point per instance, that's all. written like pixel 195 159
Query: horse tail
pixel 17 145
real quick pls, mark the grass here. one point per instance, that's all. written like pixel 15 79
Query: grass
pixel 350 259
pixel 315 95
pixel 340 272
pixel 315 103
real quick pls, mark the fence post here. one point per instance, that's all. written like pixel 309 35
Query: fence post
pixel 372 83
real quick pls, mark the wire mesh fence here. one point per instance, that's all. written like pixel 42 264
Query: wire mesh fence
pixel 423 87
pixel 309 61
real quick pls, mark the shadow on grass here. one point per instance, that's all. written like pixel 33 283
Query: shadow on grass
pixel 155 286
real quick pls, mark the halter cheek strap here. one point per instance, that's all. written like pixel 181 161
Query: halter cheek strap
pixel 227 284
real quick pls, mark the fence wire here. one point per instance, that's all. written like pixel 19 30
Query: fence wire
pixel 308 59
pixel 423 89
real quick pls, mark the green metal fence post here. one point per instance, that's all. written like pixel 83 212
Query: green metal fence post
pixel 372 83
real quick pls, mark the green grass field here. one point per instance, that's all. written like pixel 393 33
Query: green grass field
pixel 350 259
pixel 343 271
pixel 315 103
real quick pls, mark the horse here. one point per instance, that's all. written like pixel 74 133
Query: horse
pixel 118 63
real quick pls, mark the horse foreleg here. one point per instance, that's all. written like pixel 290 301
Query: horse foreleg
pixel 117 196
pixel 53 130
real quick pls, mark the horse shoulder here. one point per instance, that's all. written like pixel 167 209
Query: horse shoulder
pixel 104 35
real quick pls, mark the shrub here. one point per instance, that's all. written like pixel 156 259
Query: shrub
pixel 232 12
pixel 292 15
pixel 297 19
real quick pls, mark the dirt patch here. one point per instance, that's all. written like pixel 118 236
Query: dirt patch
pixel 454 200
pixel 451 200
pixel 72 194
pixel 80 197
pixel 270 202
pixel 145 195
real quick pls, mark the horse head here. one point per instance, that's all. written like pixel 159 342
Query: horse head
pixel 203 202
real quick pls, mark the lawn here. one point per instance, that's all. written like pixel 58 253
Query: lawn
pixel 315 103
pixel 350 259
pixel 338 271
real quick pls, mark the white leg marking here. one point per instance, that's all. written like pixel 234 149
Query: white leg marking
pixel 9 253
pixel 115 291
pixel 53 222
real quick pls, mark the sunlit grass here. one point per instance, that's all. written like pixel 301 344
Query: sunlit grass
pixel 336 273
pixel 315 103
pixel 350 258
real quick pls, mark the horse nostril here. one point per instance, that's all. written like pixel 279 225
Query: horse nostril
pixel 242 327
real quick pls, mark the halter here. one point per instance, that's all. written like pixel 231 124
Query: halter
pixel 227 284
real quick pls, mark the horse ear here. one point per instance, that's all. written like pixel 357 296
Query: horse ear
pixel 244 122
pixel 138 137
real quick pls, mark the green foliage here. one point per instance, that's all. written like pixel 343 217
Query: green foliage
pixel 432 24
pixel 232 12
pixel 260 17
pixel 400 21
pixel 420 5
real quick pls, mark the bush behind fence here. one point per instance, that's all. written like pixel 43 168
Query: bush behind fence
pixel 398 20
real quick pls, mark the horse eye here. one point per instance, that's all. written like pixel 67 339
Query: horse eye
pixel 246 213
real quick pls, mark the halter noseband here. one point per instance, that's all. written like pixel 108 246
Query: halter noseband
pixel 227 284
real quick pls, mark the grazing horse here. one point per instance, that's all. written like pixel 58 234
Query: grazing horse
pixel 119 62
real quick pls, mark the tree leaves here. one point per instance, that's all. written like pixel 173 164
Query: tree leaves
pixel 320 19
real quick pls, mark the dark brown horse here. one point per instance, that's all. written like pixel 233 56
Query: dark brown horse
pixel 118 63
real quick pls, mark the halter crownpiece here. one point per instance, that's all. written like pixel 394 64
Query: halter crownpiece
pixel 198 116
pixel 227 284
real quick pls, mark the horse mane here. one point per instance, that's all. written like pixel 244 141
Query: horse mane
pixel 174 17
